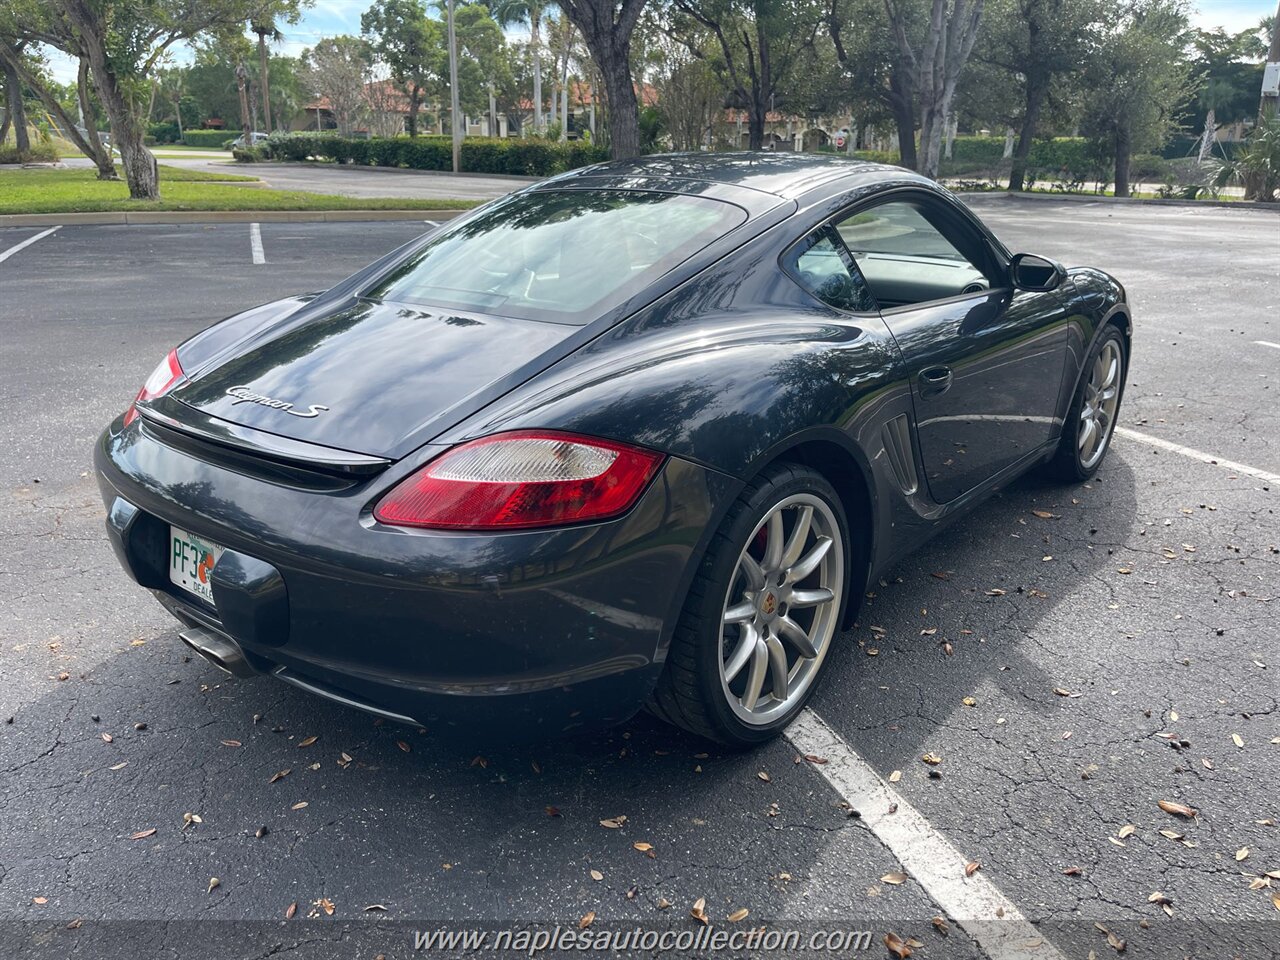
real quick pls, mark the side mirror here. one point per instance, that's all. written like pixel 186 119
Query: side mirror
pixel 1029 272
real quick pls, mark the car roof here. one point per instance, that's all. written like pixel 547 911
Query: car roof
pixel 785 175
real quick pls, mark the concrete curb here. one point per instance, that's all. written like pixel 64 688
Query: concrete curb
pixel 220 216
pixel 1092 198
pixel 367 168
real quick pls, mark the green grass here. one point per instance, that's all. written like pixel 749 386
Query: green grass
pixel 183 148
pixel 78 191
pixel 170 174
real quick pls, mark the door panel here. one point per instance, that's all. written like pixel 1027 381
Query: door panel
pixel 985 376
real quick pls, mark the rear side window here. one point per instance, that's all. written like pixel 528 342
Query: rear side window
pixel 822 265
pixel 561 255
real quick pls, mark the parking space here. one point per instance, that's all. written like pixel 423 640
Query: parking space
pixel 1073 656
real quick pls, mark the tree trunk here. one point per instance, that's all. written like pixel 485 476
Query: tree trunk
pixel 177 113
pixel 15 110
pixel 242 87
pixel 415 103
pixel 264 82
pixel 1123 148
pixel 904 118
pixel 101 155
pixel 126 131
pixel 756 119
pixel 1036 90
pixel 95 150
pixel 607 32
pixel 535 40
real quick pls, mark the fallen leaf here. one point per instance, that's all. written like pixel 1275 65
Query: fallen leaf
pixel 940 925
pixel 1237 740
pixel 932 759
pixel 996 592
pixel 1206 763
pixel 1126 831
pixel 897 946
pixel 1275 900
pixel 597 876
pixel 1125 570
pixel 299 805
pixel 327 906
pixel 763 775
pixel 1063 692
pixel 971 868
pixel 970 701
pixel 895 879
pixel 214 882
pixel 107 738
pixel 291 910
pixel 119 766
pixel 232 743
pixel 1043 514
pixel 553 811
pixel 663 903
pixel 1117 841
pixel 41 901
pixel 588 918
pixel 1171 834
pixel 481 762
pixel 405 747
pixel 307 742
pixel 1178 809
pixel 1242 854
pixel 699 911
pixel 143 834
pixel 613 823
pixel 738 915
pixel 642 846
pixel 815 759
pixel 1115 943
pixel 895 776
pixel 1072 872
pixel 280 775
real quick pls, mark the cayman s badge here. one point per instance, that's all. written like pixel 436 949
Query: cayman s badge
pixel 246 395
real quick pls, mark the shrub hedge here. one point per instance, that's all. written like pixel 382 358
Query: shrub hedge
pixel 39 153
pixel 208 138
pixel 522 157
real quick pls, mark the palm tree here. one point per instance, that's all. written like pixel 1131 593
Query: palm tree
pixel 265 28
pixel 510 12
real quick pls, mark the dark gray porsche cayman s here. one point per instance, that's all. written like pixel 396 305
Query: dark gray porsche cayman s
pixel 640 434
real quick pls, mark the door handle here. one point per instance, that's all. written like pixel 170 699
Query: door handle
pixel 935 381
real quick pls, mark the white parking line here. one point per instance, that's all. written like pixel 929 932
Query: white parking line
pixel 1199 455
pixel 27 242
pixel 974 903
pixel 255 244
pixel 1267 343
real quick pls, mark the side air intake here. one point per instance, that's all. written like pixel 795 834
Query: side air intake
pixel 897 444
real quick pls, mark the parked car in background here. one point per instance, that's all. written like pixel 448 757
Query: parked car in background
pixel 254 139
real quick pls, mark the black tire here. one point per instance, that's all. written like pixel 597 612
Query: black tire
pixel 1066 465
pixel 689 693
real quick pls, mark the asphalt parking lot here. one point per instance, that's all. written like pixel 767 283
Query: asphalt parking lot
pixel 1073 655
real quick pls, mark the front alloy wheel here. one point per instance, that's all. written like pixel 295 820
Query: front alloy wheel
pixel 762 613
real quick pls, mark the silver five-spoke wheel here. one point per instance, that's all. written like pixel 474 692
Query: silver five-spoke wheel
pixel 781 609
pixel 1098 411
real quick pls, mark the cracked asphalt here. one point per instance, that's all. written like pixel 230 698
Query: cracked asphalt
pixel 1118 641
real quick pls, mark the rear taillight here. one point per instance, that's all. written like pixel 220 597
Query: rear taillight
pixel 161 381
pixel 520 480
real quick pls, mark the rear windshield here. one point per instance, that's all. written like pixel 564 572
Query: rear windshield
pixel 561 255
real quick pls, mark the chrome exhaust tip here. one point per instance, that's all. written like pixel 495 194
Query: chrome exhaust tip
pixel 219 650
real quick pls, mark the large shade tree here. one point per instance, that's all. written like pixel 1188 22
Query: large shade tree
pixel 607 27
pixel 1137 80
pixel 402 37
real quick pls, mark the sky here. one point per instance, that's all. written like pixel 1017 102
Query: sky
pixel 327 18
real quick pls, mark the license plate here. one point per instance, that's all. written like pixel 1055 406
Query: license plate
pixel 191 560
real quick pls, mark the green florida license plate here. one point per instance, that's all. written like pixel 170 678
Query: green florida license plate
pixel 191 560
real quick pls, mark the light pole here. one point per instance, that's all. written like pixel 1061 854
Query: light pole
pixel 453 92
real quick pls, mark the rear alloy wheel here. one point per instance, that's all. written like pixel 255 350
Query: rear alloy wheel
pixel 763 612
pixel 1086 434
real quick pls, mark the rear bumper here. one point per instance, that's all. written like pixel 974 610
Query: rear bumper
pixel 520 634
